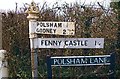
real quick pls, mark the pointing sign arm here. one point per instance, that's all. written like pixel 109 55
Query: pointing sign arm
pixel 69 43
pixel 58 28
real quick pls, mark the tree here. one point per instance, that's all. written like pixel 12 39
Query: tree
pixel 16 40
pixel 116 8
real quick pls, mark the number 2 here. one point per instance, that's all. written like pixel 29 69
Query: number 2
pixel 64 31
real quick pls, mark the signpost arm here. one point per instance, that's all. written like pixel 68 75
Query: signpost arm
pixel 33 11
pixel 112 66
pixel 49 68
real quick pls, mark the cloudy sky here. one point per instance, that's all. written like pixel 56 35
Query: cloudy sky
pixel 10 4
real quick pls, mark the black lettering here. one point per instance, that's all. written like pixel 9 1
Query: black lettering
pixel 55 43
pixel 66 42
pixel 37 30
pixel 86 42
pixel 64 31
pixel 82 43
pixel 70 43
pixel 59 42
pixel 50 43
pixel 51 24
pixel 55 25
pixel 79 42
pixel 47 24
pixel 74 42
pixel 46 42
pixel 38 24
pixel 54 30
pixel 59 24
pixel 41 24
pixel 42 42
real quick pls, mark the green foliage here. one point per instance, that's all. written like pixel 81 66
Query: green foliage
pixel 116 5
pixel 16 40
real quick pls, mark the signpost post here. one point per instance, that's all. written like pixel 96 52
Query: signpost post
pixel 35 27
pixel 33 11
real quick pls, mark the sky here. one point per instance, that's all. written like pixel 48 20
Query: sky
pixel 10 4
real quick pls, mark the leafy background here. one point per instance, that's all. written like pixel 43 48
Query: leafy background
pixel 90 22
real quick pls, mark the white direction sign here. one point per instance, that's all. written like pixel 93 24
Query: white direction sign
pixel 68 43
pixel 57 28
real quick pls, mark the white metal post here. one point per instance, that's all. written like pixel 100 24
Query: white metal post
pixel 33 10
pixel 3 65
pixel 34 63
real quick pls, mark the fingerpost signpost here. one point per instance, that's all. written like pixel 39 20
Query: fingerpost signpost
pixel 32 11
pixel 62 28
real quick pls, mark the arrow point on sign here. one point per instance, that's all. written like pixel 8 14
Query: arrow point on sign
pixel 97 46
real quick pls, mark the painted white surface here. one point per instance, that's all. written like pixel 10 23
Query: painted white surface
pixel 56 28
pixel 3 64
pixel 81 56
pixel 68 43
